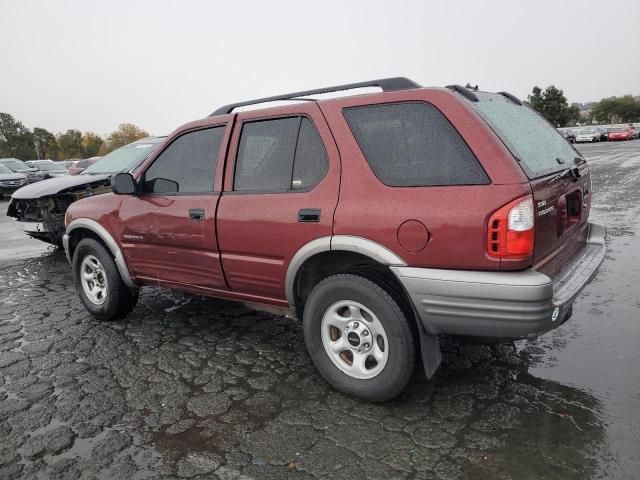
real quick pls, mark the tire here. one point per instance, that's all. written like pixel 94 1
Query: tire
pixel 369 311
pixel 116 300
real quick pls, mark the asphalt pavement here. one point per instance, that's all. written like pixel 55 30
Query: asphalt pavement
pixel 189 387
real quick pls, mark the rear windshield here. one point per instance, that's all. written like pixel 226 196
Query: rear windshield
pixel 539 148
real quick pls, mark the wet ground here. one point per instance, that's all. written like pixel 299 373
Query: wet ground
pixel 200 388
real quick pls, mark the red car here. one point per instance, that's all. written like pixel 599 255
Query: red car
pixel 381 221
pixel 622 133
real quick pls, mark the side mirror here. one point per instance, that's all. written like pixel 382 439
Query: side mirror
pixel 123 184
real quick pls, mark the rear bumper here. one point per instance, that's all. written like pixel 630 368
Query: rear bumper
pixel 505 305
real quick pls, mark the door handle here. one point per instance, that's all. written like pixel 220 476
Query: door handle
pixel 309 215
pixel 196 214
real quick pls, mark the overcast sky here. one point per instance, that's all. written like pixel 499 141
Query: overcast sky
pixel 92 65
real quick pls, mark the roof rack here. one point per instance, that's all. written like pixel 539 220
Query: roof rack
pixel 465 92
pixel 386 84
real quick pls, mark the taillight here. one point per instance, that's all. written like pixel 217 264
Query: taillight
pixel 510 230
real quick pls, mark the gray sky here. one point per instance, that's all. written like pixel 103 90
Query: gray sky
pixel 92 65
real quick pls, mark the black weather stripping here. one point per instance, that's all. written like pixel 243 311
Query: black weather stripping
pixel 386 84
pixel 513 98
pixel 465 92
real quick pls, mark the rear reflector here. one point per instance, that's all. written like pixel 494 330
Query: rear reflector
pixel 510 230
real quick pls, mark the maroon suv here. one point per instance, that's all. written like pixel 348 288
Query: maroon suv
pixel 380 220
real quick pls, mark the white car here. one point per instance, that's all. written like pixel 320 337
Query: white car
pixel 588 135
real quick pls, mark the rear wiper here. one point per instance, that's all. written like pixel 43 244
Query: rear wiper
pixel 572 173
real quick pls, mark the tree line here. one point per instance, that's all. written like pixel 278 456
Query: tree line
pixel 18 141
pixel 553 105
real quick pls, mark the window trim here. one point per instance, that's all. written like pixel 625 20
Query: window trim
pixel 404 102
pixel 290 190
pixel 143 175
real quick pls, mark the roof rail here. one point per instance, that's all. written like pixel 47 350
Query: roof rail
pixel 513 98
pixel 386 84
pixel 465 92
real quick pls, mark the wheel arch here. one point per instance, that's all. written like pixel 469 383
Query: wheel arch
pixel 84 227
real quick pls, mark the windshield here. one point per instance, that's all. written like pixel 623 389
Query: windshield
pixel 16 164
pixel 122 159
pixel 51 167
pixel 5 169
pixel 539 148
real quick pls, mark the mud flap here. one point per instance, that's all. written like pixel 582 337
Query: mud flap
pixel 430 353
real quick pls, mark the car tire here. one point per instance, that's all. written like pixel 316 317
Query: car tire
pixel 98 282
pixel 363 309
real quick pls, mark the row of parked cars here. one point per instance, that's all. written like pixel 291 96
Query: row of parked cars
pixel 316 209
pixel 600 134
pixel 15 173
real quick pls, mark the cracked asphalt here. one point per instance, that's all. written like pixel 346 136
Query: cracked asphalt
pixel 189 387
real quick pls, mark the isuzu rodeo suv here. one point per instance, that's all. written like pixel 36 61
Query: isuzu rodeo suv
pixel 381 220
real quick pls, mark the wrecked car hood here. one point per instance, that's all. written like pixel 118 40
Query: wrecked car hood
pixel 53 186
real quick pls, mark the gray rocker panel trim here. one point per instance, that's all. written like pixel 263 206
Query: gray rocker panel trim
pixel 349 243
pixel 106 237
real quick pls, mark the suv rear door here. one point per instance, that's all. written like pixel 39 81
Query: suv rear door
pixel 559 177
pixel 281 190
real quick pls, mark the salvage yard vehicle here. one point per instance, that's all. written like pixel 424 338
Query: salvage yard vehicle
pixel 18 166
pixel 80 165
pixel 39 209
pixel 381 220
pixel 621 133
pixel 588 135
pixel 10 181
pixel 51 169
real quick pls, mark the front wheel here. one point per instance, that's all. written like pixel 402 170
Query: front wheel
pixel 98 282
pixel 359 338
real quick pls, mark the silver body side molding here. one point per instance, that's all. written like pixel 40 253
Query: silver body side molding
pixel 95 227
pixel 349 243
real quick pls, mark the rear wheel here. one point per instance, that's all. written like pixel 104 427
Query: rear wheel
pixel 359 338
pixel 98 282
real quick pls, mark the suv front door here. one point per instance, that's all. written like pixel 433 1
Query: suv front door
pixel 281 190
pixel 169 230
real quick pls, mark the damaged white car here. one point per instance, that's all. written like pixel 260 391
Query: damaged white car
pixel 39 208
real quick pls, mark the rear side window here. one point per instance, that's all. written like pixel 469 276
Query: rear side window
pixel 188 165
pixel 413 145
pixel 279 155
pixel 540 149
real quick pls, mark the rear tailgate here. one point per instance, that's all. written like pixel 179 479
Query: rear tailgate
pixel 559 177
pixel 561 211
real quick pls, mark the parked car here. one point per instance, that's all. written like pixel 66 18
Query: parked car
pixel 621 133
pixel 39 209
pixel 52 169
pixel 588 135
pixel 379 220
pixel 18 166
pixel 80 165
pixel 569 135
pixel 10 181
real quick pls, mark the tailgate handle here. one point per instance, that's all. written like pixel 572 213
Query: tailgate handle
pixel 196 214
pixel 309 215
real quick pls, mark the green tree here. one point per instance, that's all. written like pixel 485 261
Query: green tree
pixel 126 133
pixel 552 104
pixel 70 144
pixel 44 143
pixel 16 140
pixel 617 110
pixel 575 116
pixel 91 144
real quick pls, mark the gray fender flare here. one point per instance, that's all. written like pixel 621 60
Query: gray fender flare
pixel 109 241
pixel 349 243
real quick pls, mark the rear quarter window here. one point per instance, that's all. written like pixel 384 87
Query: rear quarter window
pixel 413 145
